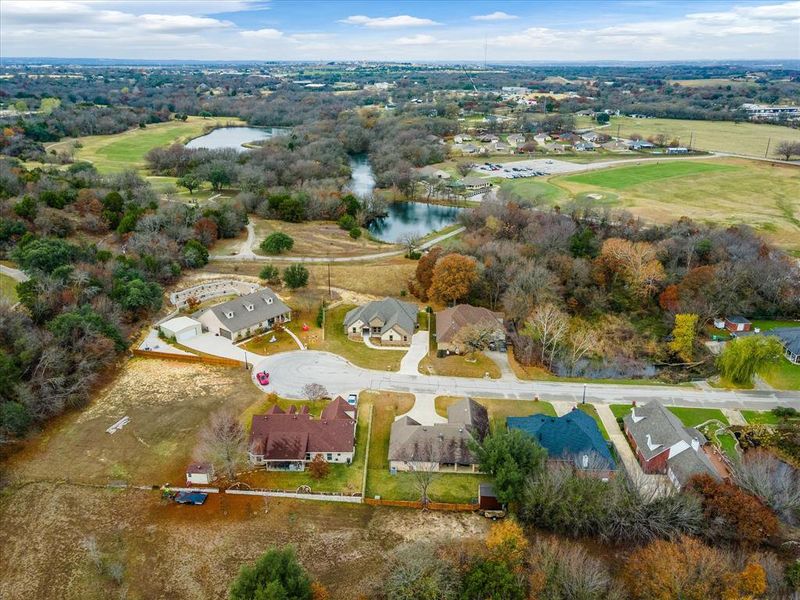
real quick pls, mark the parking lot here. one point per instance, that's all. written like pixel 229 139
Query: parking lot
pixel 529 168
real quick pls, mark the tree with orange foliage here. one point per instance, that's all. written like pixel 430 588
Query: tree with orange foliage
pixel 731 513
pixel 319 591
pixel 670 298
pixel 207 231
pixel 507 543
pixel 453 277
pixel 424 274
pixel 687 569
pixel 635 262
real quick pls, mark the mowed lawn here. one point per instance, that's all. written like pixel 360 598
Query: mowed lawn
pixel 691 417
pixel 749 139
pixel 624 177
pixel 126 150
pixel 718 192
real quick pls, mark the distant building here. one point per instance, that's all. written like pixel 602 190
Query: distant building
pixel 516 139
pixel 678 150
pixel 737 323
pixel 789 337
pixel 771 112
pixel 475 184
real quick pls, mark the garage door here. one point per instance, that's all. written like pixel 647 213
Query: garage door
pixel 185 335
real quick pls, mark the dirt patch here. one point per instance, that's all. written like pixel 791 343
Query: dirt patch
pixel 176 552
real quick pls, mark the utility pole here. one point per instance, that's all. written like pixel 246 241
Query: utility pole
pixel 618 128
pixel 691 139
pixel 584 394
pixel 766 152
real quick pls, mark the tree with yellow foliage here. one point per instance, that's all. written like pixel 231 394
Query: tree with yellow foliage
pixel 507 543
pixel 683 335
pixel 636 263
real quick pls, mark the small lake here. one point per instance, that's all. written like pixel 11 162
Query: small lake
pixel 234 137
pixel 412 218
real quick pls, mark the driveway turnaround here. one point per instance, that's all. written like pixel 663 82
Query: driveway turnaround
pixel 290 371
pixel 208 343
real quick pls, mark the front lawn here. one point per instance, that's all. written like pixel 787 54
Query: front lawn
pixel 455 365
pixel 263 345
pixel 783 375
pixel 356 352
pixel 499 409
pixel 763 417
pixel 691 417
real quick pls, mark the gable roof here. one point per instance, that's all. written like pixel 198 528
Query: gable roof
pixel 249 310
pixel 655 429
pixel 452 320
pixel 569 435
pixel 738 319
pixel 390 311
pixel 279 435
pixel 449 442
pixel 687 463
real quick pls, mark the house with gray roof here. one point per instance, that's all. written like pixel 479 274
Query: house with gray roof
pixel 663 444
pixel 246 315
pixel 789 337
pixel 439 447
pixel 390 320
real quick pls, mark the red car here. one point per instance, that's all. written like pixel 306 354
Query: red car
pixel 263 378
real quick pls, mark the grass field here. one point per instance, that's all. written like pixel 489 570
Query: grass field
pixel 8 288
pixel 691 417
pixel 723 192
pixel 711 82
pixel 749 139
pixel 460 366
pixel 624 177
pixel 126 150
pixel 782 376
pixel 317 238
pixel 763 417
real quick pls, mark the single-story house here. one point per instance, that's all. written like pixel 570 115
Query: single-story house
pixel 500 147
pixel 541 138
pixel 287 440
pixel 789 337
pixel 199 474
pixel 737 323
pixel 553 147
pixel 615 146
pixel 439 447
pixel 462 137
pixel 569 137
pixel 639 145
pixel 452 322
pixel 474 184
pixel 663 444
pixel 515 139
pixel 488 138
pixel 584 147
pixel 181 328
pixel 246 315
pixel 393 321
pixel 573 439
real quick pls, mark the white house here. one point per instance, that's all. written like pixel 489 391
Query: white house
pixel 246 315
pixel 181 328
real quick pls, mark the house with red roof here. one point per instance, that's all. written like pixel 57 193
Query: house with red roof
pixel 287 440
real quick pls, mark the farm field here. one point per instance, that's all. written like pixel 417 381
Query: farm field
pixel 712 82
pixel 126 150
pixel 749 139
pixel 724 191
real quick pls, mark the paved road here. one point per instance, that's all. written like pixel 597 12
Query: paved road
pixel 337 259
pixel 290 371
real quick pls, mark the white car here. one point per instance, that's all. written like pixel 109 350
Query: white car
pixel 352 399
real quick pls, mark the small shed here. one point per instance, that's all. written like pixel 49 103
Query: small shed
pixel 199 474
pixel 487 500
pixel 181 328
pixel 737 323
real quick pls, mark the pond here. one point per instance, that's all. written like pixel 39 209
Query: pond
pixel 412 218
pixel 234 137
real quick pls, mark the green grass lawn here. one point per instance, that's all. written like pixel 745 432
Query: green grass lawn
pixel 625 177
pixel 783 375
pixel 727 443
pixel 767 324
pixel 336 341
pixel 456 365
pixel 763 417
pixel 534 188
pixel 8 288
pixel 691 417
pixel 590 410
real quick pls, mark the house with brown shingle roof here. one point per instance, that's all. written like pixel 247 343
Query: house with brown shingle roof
pixel 453 323
pixel 439 447
pixel 287 440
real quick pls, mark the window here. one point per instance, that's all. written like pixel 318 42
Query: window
pixel 405 338
pixel 354 330
pixel 328 456
pixel 391 337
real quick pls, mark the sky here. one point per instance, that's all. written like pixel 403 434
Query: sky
pixel 402 30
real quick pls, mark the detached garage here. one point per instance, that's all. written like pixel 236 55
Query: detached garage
pixel 181 328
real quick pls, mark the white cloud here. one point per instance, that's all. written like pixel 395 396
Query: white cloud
pixel 497 15
pixel 388 22
pixel 415 40
pixel 262 34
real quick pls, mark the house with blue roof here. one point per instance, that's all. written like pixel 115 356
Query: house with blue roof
pixel 572 439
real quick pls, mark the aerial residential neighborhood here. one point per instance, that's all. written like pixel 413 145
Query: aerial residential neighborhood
pixel 400 301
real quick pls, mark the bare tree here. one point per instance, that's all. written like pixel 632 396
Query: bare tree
pixel 315 391
pixel 547 325
pixel 581 339
pixel 474 338
pixel 774 482
pixel 425 465
pixel 223 442
pixel 410 241
pixel 787 149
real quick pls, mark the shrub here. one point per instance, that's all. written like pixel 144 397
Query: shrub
pixel 355 232
pixel 277 243
pixel 295 276
pixel 270 274
pixel 347 222
pixel 277 574
pixel 418 572
pixel 318 468
pixel 492 579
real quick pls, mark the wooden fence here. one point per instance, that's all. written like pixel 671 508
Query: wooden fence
pixel 447 506
pixel 192 358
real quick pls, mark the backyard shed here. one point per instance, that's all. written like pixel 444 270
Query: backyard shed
pixel 181 328
pixel 199 474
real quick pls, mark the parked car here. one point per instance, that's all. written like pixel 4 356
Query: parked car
pixel 352 399
pixel 263 378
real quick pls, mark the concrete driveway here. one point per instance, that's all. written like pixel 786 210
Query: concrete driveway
pixel 424 410
pixel 292 370
pixel 409 364
pixel 216 345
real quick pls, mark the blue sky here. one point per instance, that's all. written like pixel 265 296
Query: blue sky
pixel 408 30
